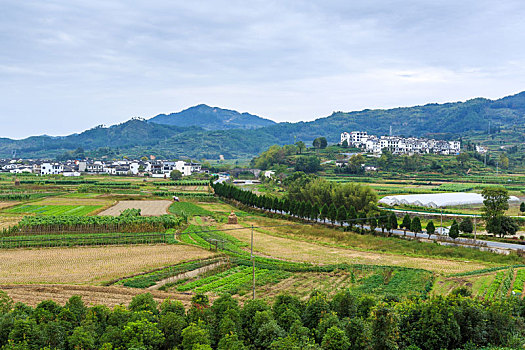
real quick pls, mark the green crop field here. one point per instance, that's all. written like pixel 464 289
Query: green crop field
pixel 189 209
pixel 73 210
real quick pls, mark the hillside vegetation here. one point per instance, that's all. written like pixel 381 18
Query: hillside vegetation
pixel 212 118
pixel 139 137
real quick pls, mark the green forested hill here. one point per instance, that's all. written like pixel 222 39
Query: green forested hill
pixel 138 137
pixel 212 118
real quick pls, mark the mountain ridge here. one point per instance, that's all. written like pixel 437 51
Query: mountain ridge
pixel 212 118
pixel 138 137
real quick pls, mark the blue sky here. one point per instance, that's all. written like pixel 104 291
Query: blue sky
pixel 66 66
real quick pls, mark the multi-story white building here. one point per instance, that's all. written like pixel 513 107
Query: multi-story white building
pixel 354 138
pixel 51 169
pixel 187 168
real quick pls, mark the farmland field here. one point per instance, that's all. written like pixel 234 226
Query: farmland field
pixel 89 265
pixel 189 209
pixel 32 294
pixel 9 220
pixel 302 251
pixel 485 285
pixel 295 258
pixel 148 208
pixel 7 204
pixel 74 210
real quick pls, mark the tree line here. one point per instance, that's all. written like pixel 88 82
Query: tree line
pixel 347 321
pixel 314 199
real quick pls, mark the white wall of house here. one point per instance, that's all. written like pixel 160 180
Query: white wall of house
pixel 51 169
pixel 134 168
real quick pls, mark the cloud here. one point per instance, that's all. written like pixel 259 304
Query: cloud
pixel 68 65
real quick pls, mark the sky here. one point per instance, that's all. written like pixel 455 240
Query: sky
pixel 70 65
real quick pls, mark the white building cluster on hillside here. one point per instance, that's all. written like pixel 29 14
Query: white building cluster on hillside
pixel 399 145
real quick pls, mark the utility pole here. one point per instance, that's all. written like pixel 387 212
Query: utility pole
pixel 253 269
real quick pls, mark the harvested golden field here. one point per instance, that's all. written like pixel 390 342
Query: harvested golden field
pixel 147 208
pixel 89 265
pixel 8 204
pixel 73 201
pixel 91 295
pixel 217 207
pixel 7 220
pixel 294 250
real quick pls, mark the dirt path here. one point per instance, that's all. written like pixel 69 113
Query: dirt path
pixel 91 295
pixel 189 274
pixel 147 208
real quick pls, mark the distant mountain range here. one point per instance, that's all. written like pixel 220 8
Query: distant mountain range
pixel 212 118
pixel 206 132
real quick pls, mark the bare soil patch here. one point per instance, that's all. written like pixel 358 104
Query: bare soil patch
pixel 147 208
pixel 91 295
pixel 89 265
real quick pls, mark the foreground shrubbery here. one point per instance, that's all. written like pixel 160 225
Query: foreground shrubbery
pixel 347 321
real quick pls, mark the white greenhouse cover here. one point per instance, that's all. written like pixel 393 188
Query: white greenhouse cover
pixel 436 200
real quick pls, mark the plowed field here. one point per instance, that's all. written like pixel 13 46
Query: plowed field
pixel 147 208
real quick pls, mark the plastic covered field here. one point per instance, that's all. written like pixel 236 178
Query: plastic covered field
pixel 437 200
